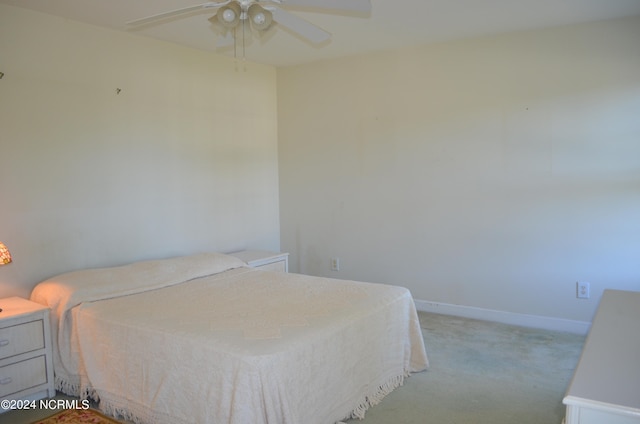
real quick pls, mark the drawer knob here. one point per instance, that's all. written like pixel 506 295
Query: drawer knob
pixel 5 380
pixel 4 342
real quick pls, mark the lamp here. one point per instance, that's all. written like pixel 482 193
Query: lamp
pixel 5 257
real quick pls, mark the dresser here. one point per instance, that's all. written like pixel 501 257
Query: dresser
pixel 264 260
pixel 26 369
pixel 605 388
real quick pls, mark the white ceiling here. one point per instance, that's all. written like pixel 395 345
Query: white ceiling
pixel 392 24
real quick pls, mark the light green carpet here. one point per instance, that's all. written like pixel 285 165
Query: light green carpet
pixel 484 373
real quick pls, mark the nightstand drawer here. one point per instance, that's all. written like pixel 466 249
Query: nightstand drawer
pixel 21 338
pixel 22 375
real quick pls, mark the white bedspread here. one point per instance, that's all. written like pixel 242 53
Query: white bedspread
pixel 235 346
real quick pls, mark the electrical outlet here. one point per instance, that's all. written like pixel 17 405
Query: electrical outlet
pixel 335 264
pixel 582 290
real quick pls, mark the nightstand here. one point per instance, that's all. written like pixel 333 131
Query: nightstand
pixel 26 364
pixel 263 260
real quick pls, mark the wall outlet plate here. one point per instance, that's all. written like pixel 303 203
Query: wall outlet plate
pixel 335 264
pixel 582 290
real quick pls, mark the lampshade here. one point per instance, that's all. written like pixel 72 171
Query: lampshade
pixel 260 17
pixel 5 255
pixel 229 15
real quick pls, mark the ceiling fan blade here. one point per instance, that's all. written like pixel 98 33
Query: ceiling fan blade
pixel 300 26
pixel 177 12
pixel 363 6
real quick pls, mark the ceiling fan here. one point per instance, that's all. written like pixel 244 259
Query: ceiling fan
pixel 261 15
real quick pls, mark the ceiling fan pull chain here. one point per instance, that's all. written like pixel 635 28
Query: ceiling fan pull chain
pixel 244 37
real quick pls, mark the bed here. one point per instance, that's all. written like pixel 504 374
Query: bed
pixel 206 339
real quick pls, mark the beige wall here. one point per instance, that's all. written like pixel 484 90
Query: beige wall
pixel 183 160
pixel 492 173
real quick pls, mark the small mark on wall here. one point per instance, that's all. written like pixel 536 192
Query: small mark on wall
pixel 527 140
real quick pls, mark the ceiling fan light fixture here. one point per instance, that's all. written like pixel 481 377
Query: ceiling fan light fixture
pixel 229 15
pixel 261 18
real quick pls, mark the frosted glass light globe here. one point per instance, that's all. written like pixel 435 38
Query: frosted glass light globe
pixel 259 18
pixel 228 15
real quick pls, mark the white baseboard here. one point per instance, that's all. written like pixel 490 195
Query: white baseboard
pixel 512 318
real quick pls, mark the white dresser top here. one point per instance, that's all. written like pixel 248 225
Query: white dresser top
pixel 608 373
